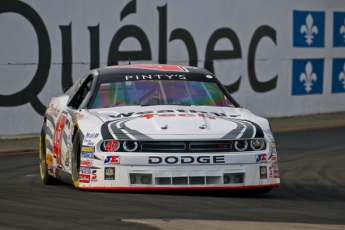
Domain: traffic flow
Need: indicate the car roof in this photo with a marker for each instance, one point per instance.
(151, 69)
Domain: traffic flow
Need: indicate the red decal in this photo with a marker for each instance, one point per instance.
(154, 67)
(85, 163)
(111, 159)
(52, 110)
(263, 157)
(94, 176)
(186, 115)
(84, 178)
(166, 115)
(58, 138)
(148, 116)
(111, 146)
(276, 173)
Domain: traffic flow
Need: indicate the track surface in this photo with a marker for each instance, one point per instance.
(313, 192)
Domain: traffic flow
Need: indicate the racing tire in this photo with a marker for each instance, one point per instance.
(45, 177)
(76, 158)
(255, 191)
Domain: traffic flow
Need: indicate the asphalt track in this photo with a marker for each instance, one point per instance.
(312, 196)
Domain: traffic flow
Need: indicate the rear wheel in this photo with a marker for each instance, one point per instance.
(45, 177)
(76, 159)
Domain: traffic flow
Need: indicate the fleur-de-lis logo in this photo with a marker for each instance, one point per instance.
(342, 76)
(308, 77)
(309, 29)
(342, 30)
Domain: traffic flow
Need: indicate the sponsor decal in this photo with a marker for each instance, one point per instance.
(307, 76)
(91, 135)
(88, 142)
(85, 170)
(263, 172)
(94, 175)
(49, 159)
(172, 113)
(52, 111)
(112, 160)
(84, 178)
(156, 77)
(51, 170)
(275, 165)
(58, 139)
(269, 135)
(78, 116)
(149, 116)
(109, 173)
(308, 29)
(156, 67)
(338, 76)
(270, 171)
(339, 29)
(186, 160)
(86, 163)
(273, 145)
(86, 155)
(274, 151)
(261, 158)
(88, 149)
(274, 158)
(276, 173)
(67, 159)
(111, 146)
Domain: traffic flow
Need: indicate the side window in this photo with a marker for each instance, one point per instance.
(81, 88)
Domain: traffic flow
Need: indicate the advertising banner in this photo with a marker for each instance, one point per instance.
(277, 58)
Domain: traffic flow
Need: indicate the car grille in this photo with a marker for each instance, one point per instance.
(185, 146)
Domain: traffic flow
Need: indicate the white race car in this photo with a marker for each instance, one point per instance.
(155, 127)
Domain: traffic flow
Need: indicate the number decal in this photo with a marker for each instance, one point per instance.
(58, 138)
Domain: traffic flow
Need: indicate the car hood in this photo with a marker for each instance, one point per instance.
(177, 122)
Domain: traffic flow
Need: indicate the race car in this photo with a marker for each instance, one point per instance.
(155, 127)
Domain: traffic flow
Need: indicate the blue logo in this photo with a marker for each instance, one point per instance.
(307, 76)
(338, 76)
(339, 29)
(308, 29)
(86, 155)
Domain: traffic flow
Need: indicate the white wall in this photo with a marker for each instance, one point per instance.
(281, 50)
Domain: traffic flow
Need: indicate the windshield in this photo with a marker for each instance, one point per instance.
(159, 92)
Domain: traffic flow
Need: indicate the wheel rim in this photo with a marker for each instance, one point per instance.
(76, 164)
(42, 157)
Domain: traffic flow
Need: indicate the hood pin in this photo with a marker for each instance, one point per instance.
(203, 127)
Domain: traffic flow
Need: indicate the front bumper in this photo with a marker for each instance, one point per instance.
(132, 172)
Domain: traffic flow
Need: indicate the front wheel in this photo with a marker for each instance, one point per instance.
(76, 159)
(255, 191)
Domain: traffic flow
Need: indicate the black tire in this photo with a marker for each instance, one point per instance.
(76, 158)
(45, 177)
(254, 191)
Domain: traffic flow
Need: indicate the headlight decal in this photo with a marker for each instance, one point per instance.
(237, 145)
(111, 146)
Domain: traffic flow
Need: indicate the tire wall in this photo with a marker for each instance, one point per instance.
(278, 58)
